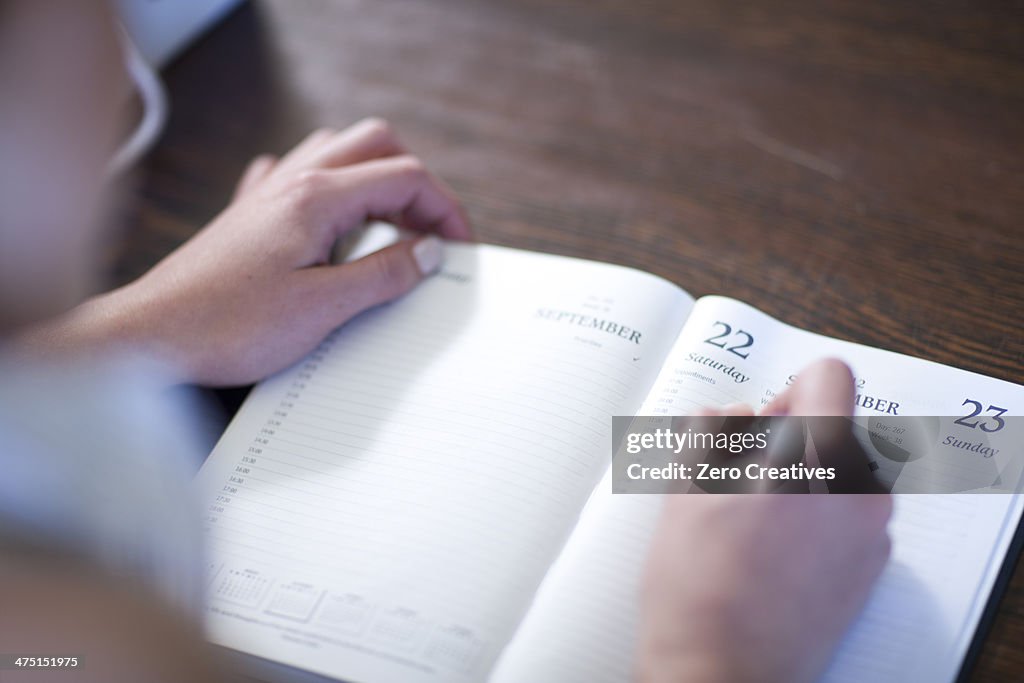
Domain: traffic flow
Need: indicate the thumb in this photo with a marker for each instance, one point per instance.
(825, 387)
(383, 275)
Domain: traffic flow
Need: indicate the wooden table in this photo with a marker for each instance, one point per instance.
(851, 167)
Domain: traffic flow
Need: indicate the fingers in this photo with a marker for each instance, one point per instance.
(295, 159)
(258, 169)
(371, 138)
(824, 387)
(738, 410)
(359, 173)
(382, 276)
(731, 410)
(383, 189)
(368, 139)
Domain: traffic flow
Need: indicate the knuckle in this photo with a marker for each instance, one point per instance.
(259, 165)
(384, 272)
(377, 126)
(323, 132)
(836, 367)
(411, 166)
(303, 189)
(390, 274)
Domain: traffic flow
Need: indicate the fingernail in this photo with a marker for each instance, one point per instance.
(737, 409)
(428, 253)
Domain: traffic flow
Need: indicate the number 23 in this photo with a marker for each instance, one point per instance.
(979, 423)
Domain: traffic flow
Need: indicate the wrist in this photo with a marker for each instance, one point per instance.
(106, 324)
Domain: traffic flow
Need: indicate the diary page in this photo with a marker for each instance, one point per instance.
(947, 549)
(385, 510)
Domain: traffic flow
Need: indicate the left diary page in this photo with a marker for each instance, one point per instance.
(386, 509)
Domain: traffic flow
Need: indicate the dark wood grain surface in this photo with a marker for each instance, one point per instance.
(851, 167)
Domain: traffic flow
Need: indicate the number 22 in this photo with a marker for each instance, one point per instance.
(735, 349)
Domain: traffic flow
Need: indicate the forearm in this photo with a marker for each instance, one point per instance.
(94, 329)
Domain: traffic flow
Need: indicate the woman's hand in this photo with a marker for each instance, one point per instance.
(761, 587)
(253, 291)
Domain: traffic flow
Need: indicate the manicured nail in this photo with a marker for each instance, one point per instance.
(428, 253)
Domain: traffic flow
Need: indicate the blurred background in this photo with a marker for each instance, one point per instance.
(853, 167)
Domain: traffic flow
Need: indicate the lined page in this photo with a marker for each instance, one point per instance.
(386, 509)
(582, 625)
(947, 549)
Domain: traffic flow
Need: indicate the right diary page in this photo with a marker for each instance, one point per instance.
(947, 549)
